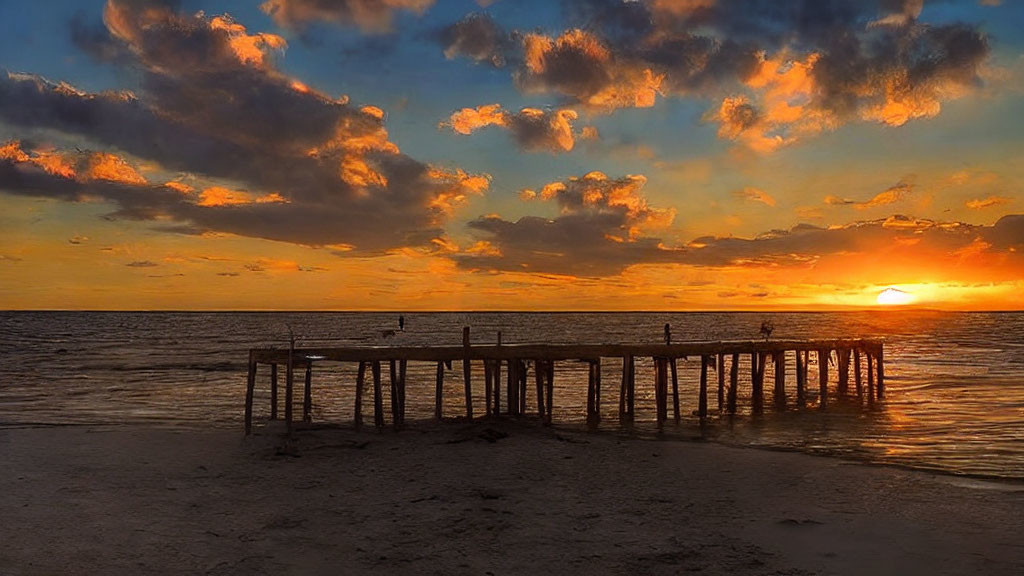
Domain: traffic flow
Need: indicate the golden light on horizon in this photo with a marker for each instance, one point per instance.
(894, 297)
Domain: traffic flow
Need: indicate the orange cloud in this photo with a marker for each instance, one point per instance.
(756, 195)
(216, 196)
(578, 64)
(533, 128)
(105, 166)
(979, 203)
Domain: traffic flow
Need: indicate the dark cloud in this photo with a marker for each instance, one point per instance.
(142, 264)
(373, 16)
(479, 38)
(534, 129)
(308, 168)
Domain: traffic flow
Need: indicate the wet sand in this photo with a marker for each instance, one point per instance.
(489, 498)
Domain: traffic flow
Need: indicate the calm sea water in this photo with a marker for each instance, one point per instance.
(954, 403)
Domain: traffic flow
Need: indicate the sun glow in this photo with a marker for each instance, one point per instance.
(894, 297)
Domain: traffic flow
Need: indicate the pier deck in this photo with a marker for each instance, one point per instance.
(513, 359)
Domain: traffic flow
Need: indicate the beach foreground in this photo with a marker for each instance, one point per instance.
(489, 498)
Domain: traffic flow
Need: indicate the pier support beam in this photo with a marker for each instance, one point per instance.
(871, 379)
(734, 372)
(843, 364)
(273, 391)
(289, 384)
(627, 392)
(675, 389)
(801, 378)
(721, 381)
(307, 394)
(378, 399)
(467, 373)
(360, 385)
(439, 392)
(594, 391)
(757, 363)
(250, 387)
(881, 373)
(823, 356)
(702, 394)
(857, 373)
(779, 391)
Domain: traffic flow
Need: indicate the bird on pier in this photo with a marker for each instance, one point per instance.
(766, 329)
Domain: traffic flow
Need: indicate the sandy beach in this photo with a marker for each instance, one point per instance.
(496, 497)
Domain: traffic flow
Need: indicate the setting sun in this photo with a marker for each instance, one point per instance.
(894, 297)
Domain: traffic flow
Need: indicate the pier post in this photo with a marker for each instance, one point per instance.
(881, 373)
(597, 388)
(823, 356)
(539, 369)
(721, 381)
(289, 383)
(702, 395)
(843, 364)
(734, 372)
(661, 389)
(622, 388)
(378, 400)
(675, 388)
(512, 387)
(779, 392)
(523, 373)
(591, 393)
(250, 387)
(801, 377)
(496, 381)
(360, 383)
(307, 394)
(757, 364)
(273, 391)
(549, 397)
(439, 391)
(871, 379)
(402, 367)
(467, 372)
(488, 368)
(393, 373)
(857, 373)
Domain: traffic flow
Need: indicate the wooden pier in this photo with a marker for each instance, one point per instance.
(515, 360)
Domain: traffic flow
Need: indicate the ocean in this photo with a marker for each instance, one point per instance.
(954, 380)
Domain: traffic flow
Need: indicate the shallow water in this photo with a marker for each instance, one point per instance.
(954, 396)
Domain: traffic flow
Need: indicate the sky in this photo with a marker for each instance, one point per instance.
(511, 155)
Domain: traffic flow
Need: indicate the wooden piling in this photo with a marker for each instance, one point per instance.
(289, 384)
(393, 373)
(721, 381)
(488, 368)
(823, 356)
(734, 371)
(597, 388)
(250, 387)
(801, 378)
(439, 392)
(360, 382)
(402, 368)
(523, 374)
(591, 393)
(661, 389)
(512, 387)
(779, 392)
(378, 400)
(549, 397)
(467, 372)
(273, 391)
(843, 365)
(881, 373)
(496, 381)
(622, 388)
(857, 372)
(871, 379)
(702, 395)
(757, 361)
(675, 389)
(307, 395)
(539, 370)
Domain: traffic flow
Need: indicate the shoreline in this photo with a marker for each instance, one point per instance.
(504, 497)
